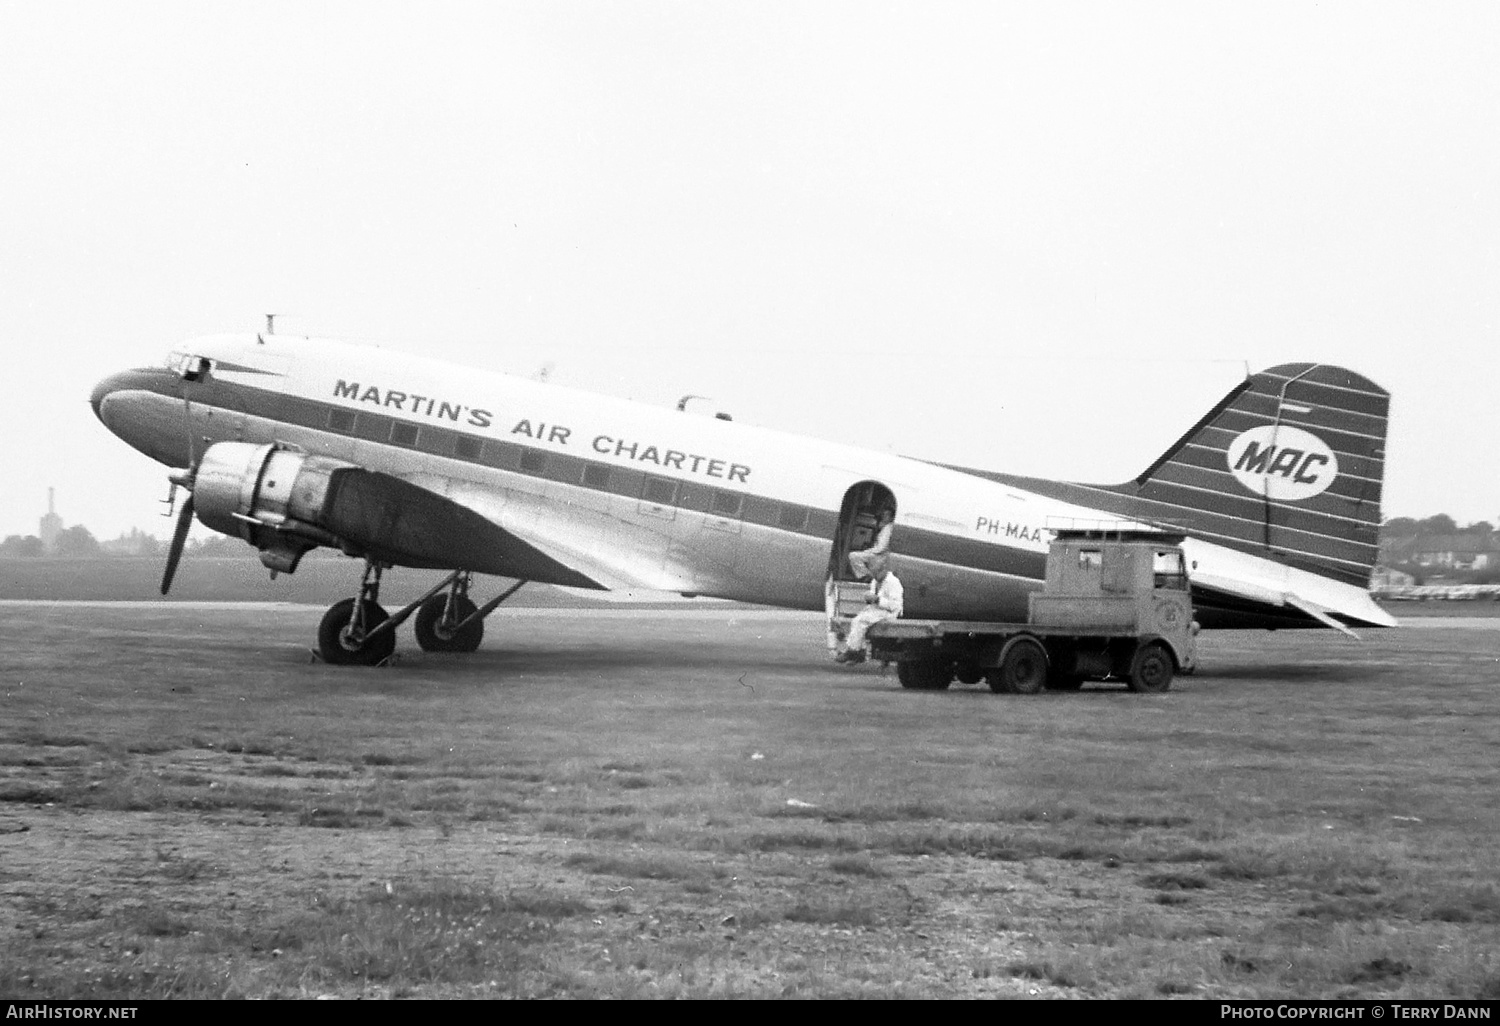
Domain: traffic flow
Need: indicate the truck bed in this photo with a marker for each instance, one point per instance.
(903, 630)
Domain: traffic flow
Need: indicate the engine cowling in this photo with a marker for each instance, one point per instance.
(271, 496)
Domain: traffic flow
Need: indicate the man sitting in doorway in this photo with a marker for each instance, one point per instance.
(860, 562)
(884, 602)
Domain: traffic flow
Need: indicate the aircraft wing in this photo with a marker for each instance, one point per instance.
(591, 546)
(421, 523)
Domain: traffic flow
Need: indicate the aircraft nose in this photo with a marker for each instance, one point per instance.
(139, 406)
(101, 392)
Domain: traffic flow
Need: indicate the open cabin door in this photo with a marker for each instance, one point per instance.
(858, 525)
(859, 519)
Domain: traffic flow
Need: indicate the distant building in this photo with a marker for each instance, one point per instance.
(1456, 551)
(51, 525)
(1385, 577)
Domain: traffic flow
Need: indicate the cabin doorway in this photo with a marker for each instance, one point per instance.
(859, 523)
(859, 520)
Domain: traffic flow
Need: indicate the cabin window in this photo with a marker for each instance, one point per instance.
(660, 490)
(596, 475)
(727, 504)
(373, 427)
(564, 468)
(533, 461)
(1090, 559)
(694, 496)
(403, 433)
(466, 448)
(341, 420)
(792, 518)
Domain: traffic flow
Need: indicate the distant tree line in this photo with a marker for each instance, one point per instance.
(78, 542)
(1440, 523)
(71, 541)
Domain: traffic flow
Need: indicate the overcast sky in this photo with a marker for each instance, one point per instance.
(1031, 237)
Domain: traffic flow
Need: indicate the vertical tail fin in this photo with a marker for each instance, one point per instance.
(1291, 460)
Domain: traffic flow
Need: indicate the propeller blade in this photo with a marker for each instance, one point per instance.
(179, 538)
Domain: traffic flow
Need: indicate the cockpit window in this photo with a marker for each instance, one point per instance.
(188, 367)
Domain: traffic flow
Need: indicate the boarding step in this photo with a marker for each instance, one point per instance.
(849, 598)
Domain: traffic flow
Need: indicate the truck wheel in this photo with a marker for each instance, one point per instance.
(923, 674)
(968, 673)
(1022, 669)
(1151, 669)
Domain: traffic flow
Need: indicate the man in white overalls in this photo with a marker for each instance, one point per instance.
(883, 602)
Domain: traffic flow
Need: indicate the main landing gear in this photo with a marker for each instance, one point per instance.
(359, 632)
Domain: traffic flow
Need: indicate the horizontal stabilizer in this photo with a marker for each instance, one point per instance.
(1271, 597)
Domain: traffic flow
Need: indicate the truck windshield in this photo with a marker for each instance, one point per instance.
(1168, 570)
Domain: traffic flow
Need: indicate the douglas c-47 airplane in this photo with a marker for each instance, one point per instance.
(291, 443)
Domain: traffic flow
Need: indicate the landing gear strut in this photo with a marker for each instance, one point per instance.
(446, 623)
(350, 634)
(358, 632)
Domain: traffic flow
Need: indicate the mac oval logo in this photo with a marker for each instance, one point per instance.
(1283, 463)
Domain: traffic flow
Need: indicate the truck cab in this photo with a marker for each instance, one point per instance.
(1115, 583)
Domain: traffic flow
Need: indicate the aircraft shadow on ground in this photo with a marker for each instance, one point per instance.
(552, 663)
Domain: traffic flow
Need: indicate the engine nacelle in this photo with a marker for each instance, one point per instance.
(271, 496)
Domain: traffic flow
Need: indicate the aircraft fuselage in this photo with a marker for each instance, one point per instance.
(627, 495)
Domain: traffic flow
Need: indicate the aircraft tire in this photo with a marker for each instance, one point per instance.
(434, 638)
(923, 674)
(337, 649)
(1151, 669)
(1022, 669)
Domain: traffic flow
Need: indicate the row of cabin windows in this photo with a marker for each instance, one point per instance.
(663, 491)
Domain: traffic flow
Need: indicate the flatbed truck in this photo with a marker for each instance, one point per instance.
(1115, 605)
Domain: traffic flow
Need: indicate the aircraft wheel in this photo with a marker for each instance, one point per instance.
(1022, 669)
(339, 647)
(433, 636)
(1151, 669)
(923, 675)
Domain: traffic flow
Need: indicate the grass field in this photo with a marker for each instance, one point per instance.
(616, 803)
